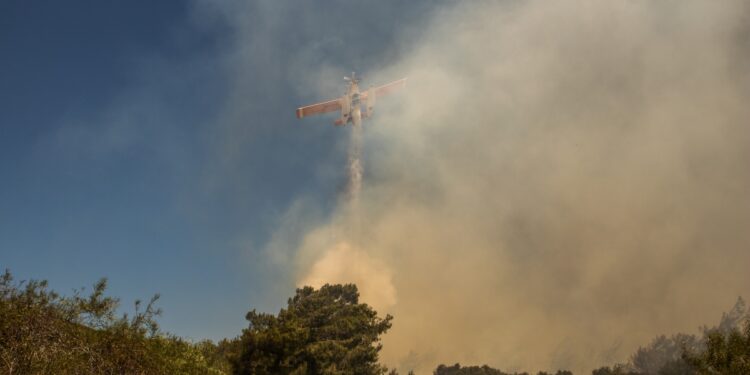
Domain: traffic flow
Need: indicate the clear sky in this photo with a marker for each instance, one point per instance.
(155, 143)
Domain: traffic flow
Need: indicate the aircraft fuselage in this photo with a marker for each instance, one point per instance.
(350, 104)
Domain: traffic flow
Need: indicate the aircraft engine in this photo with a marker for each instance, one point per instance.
(346, 109)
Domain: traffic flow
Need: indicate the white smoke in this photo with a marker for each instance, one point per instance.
(562, 182)
(343, 260)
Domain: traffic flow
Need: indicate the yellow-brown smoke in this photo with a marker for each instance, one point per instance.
(560, 182)
(344, 263)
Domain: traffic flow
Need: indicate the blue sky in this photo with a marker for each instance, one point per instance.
(155, 144)
(583, 158)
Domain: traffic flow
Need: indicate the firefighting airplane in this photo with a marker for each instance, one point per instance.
(350, 104)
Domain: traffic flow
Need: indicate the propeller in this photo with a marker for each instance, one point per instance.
(353, 78)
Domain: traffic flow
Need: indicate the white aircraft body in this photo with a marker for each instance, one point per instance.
(350, 105)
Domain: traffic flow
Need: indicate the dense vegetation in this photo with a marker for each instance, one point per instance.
(723, 349)
(42, 332)
(483, 370)
(325, 331)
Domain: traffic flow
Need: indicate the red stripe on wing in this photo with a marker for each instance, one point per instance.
(314, 109)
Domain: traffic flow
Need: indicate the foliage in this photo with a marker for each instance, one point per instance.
(42, 332)
(456, 369)
(324, 331)
(217, 355)
(664, 355)
(669, 355)
(732, 320)
(615, 370)
(483, 370)
(727, 352)
(395, 372)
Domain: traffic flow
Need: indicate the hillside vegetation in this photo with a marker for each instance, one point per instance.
(324, 331)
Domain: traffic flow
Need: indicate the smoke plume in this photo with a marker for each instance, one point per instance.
(354, 186)
(560, 182)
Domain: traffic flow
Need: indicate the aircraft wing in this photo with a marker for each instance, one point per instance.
(314, 109)
(386, 89)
